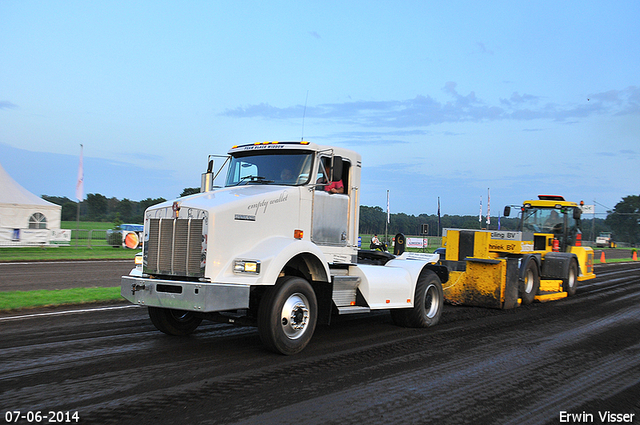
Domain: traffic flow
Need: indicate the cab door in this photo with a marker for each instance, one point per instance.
(330, 221)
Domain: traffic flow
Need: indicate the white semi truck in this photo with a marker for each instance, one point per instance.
(278, 249)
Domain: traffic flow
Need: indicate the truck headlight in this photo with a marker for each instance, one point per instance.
(246, 266)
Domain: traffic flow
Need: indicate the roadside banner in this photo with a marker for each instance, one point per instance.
(588, 209)
(417, 242)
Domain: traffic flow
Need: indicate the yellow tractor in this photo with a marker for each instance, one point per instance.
(544, 260)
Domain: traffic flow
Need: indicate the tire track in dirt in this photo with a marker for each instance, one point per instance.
(476, 380)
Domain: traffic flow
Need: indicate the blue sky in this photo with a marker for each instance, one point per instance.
(442, 99)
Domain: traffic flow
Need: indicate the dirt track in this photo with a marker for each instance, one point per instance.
(525, 366)
(29, 276)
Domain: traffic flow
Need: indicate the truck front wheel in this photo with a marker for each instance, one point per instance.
(530, 283)
(287, 315)
(427, 304)
(173, 322)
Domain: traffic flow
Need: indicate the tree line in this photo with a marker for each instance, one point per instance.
(623, 220)
(97, 207)
(373, 220)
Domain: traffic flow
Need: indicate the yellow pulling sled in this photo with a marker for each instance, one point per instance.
(542, 261)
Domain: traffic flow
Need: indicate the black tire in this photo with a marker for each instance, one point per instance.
(287, 315)
(174, 322)
(570, 283)
(427, 306)
(530, 283)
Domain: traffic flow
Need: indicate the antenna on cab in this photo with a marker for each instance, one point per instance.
(304, 112)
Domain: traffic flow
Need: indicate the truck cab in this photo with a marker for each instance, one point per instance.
(553, 224)
(276, 247)
(551, 220)
(605, 240)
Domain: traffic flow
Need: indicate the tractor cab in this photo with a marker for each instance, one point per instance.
(551, 222)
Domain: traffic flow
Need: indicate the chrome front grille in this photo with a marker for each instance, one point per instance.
(174, 247)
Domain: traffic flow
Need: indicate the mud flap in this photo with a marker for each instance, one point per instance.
(556, 265)
(323, 292)
(511, 285)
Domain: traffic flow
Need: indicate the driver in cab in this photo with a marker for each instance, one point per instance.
(333, 186)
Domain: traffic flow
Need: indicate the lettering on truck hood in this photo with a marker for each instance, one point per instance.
(261, 206)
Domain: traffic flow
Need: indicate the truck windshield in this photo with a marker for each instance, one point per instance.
(546, 220)
(290, 168)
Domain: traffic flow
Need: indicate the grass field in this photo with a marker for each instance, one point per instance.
(80, 247)
(17, 300)
(86, 225)
(66, 253)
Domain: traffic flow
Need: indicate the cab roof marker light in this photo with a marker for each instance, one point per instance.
(275, 142)
(551, 198)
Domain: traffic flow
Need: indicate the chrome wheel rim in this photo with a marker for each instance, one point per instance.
(572, 278)
(294, 317)
(431, 301)
(528, 282)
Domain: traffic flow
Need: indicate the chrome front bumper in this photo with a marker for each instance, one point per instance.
(180, 295)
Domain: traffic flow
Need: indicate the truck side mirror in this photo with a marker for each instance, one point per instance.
(576, 213)
(206, 181)
(507, 211)
(336, 170)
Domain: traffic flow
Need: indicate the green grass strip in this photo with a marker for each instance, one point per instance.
(13, 300)
(614, 260)
(53, 253)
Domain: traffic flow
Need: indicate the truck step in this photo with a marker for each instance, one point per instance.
(353, 309)
(551, 297)
(345, 290)
(550, 285)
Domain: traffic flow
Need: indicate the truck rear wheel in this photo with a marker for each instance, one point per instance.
(570, 283)
(287, 315)
(530, 284)
(174, 322)
(428, 303)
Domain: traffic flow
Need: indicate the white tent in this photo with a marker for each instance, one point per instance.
(26, 219)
